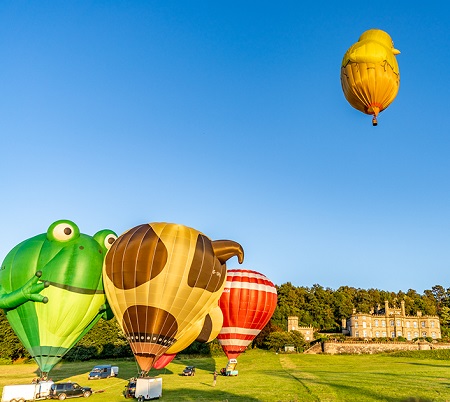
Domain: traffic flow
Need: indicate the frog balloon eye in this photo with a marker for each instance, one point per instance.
(105, 238)
(63, 230)
(109, 240)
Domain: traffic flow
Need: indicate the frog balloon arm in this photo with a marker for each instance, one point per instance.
(29, 291)
(105, 311)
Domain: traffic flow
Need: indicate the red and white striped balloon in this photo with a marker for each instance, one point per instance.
(247, 302)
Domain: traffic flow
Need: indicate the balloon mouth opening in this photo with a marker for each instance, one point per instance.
(374, 109)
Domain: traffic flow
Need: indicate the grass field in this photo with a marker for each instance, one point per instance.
(265, 376)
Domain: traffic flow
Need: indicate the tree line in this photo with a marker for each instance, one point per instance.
(324, 308)
(316, 306)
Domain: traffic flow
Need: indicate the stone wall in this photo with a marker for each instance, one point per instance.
(355, 347)
(314, 349)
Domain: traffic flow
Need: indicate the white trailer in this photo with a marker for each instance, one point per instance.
(148, 388)
(26, 392)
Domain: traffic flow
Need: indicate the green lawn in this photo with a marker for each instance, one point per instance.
(265, 376)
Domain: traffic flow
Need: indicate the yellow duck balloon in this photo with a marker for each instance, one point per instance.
(370, 76)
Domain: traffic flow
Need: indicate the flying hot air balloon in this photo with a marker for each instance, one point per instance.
(162, 278)
(247, 302)
(51, 289)
(370, 76)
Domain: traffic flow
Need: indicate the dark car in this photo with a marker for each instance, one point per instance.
(130, 388)
(65, 390)
(189, 370)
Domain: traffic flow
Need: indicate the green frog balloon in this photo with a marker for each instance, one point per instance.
(51, 289)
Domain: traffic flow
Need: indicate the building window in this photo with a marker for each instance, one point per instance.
(391, 323)
(392, 334)
(423, 324)
(399, 333)
(432, 324)
(357, 333)
(376, 323)
(407, 324)
(384, 334)
(364, 324)
(433, 335)
(416, 334)
(398, 323)
(424, 333)
(363, 317)
(377, 334)
(409, 336)
(415, 324)
(356, 325)
(383, 323)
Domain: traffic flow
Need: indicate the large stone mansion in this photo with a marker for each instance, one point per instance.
(391, 323)
(382, 323)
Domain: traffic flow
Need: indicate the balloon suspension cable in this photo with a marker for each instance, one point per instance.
(143, 374)
(374, 121)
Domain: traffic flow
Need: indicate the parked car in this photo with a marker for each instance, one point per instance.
(65, 390)
(130, 388)
(189, 370)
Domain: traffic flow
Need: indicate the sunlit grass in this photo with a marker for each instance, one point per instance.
(266, 376)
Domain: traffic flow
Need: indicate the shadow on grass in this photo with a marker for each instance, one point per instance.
(207, 364)
(128, 368)
(212, 395)
(445, 366)
(356, 392)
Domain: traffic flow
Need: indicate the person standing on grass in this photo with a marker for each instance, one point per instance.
(214, 378)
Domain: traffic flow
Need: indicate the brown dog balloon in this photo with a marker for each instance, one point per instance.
(162, 278)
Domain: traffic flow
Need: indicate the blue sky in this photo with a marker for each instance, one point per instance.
(229, 117)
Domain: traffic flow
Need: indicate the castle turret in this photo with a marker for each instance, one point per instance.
(292, 323)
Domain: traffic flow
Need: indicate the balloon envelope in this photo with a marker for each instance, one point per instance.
(161, 279)
(370, 76)
(203, 331)
(50, 319)
(247, 302)
(211, 326)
